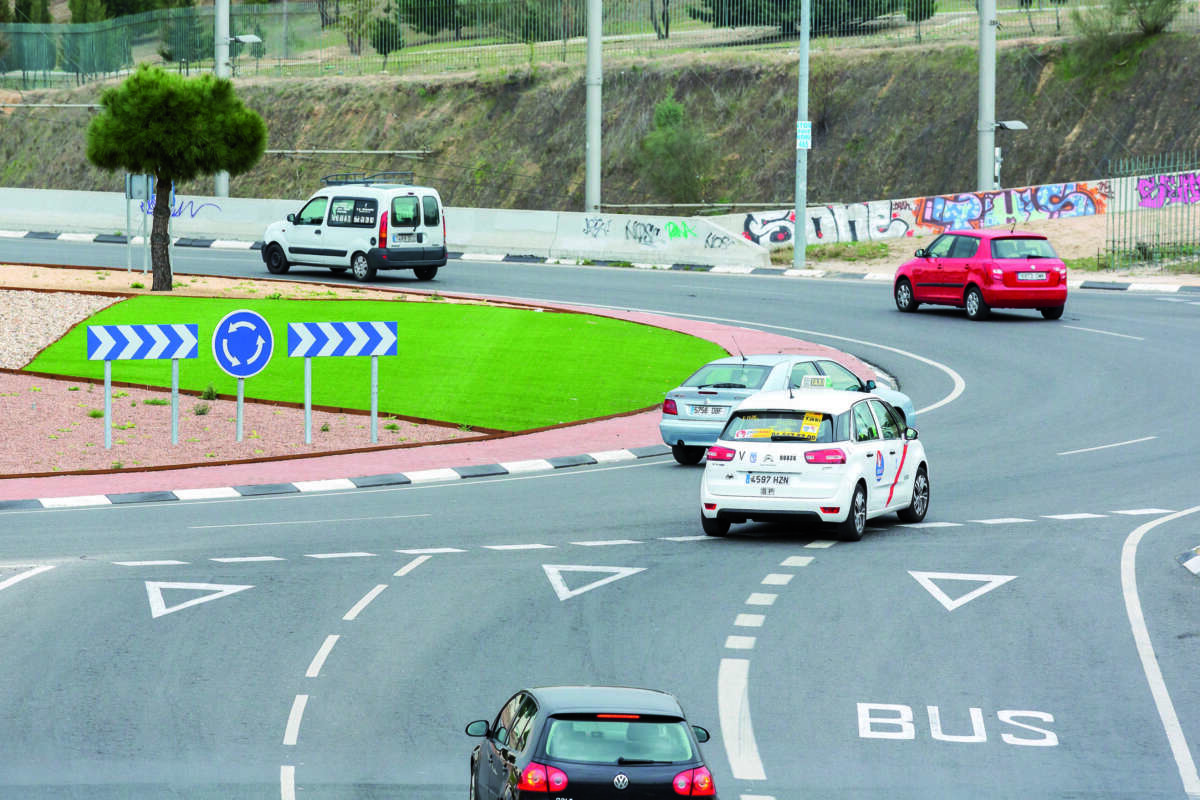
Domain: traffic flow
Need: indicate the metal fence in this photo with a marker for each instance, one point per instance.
(1154, 219)
(360, 37)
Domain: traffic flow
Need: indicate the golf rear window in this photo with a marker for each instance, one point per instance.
(612, 741)
(784, 426)
(729, 376)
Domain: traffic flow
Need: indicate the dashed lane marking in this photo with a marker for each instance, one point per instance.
(314, 667)
(339, 555)
(1144, 512)
(292, 731)
(1000, 520)
(1083, 515)
(246, 559)
(796, 561)
(162, 563)
(761, 599)
(410, 566)
(733, 704)
(778, 579)
(305, 522)
(739, 643)
(518, 547)
(358, 607)
(431, 551)
(749, 620)
(606, 542)
(932, 525)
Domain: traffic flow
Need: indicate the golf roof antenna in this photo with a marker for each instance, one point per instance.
(738, 348)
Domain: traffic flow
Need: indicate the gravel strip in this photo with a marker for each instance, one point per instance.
(30, 321)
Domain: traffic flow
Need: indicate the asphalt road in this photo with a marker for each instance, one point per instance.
(1034, 638)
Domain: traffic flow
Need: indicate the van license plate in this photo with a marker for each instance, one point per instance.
(774, 480)
(404, 237)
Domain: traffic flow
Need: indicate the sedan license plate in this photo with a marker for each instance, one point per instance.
(404, 237)
(1031, 276)
(766, 478)
(709, 411)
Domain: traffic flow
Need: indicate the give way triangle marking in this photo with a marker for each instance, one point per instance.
(555, 573)
(987, 583)
(216, 591)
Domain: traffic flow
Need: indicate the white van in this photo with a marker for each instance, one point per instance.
(363, 223)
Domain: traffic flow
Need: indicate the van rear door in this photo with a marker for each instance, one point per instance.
(433, 245)
(405, 231)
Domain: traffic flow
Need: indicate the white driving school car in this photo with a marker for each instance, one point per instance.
(814, 455)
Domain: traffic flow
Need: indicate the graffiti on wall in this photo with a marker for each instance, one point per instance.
(181, 207)
(850, 222)
(646, 234)
(1156, 191)
(1008, 206)
(596, 227)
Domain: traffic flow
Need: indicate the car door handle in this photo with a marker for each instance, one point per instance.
(317, 231)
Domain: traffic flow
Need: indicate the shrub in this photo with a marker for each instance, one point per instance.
(675, 156)
(209, 394)
(200, 409)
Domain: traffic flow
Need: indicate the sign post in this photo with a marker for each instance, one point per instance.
(314, 339)
(242, 344)
(110, 343)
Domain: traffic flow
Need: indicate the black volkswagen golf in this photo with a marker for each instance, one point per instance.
(585, 742)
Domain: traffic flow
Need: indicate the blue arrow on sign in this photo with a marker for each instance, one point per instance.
(242, 343)
(314, 339)
(141, 342)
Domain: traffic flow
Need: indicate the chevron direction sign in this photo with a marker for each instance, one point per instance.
(138, 342)
(315, 339)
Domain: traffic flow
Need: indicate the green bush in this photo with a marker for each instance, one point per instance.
(676, 155)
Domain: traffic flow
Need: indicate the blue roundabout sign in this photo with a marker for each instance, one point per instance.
(242, 343)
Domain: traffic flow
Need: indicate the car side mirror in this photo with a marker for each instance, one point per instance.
(921, 252)
(910, 434)
(871, 386)
(701, 734)
(478, 728)
(291, 217)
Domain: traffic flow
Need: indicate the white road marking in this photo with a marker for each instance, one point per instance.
(410, 566)
(29, 573)
(294, 718)
(219, 493)
(737, 731)
(1000, 520)
(1143, 512)
(777, 579)
(1192, 565)
(1106, 333)
(353, 613)
(532, 465)
(431, 551)
(796, 561)
(75, 502)
(333, 484)
(757, 797)
(246, 559)
(314, 669)
(287, 782)
(821, 544)
(554, 573)
(610, 456)
(216, 591)
(686, 538)
(739, 642)
(761, 599)
(1083, 515)
(1141, 638)
(749, 620)
(164, 563)
(1106, 446)
(518, 547)
(430, 475)
(339, 555)
(988, 582)
(305, 522)
(606, 542)
(932, 525)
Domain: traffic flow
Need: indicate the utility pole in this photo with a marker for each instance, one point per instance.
(803, 141)
(985, 175)
(594, 82)
(221, 70)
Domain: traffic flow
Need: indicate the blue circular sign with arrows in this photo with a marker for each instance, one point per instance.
(242, 343)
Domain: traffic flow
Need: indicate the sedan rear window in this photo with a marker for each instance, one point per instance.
(729, 376)
(786, 426)
(1022, 248)
(611, 741)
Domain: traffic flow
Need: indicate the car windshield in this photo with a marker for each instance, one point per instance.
(729, 376)
(1022, 247)
(610, 741)
(786, 426)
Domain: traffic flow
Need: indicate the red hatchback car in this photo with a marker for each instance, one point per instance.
(984, 269)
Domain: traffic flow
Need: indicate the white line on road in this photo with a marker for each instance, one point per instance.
(1106, 333)
(246, 559)
(761, 599)
(687, 538)
(340, 555)
(733, 709)
(293, 724)
(518, 547)
(796, 561)
(749, 620)
(165, 563)
(606, 542)
(1141, 638)
(1106, 446)
(739, 642)
(314, 669)
(287, 782)
(1083, 515)
(1143, 512)
(361, 604)
(821, 544)
(432, 551)
(29, 574)
(304, 522)
(410, 566)
(1000, 520)
(778, 579)
(932, 525)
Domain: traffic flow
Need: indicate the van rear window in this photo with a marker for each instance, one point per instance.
(405, 212)
(352, 212)
(786, 426)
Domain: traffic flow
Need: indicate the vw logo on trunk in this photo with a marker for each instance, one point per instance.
(621, 780)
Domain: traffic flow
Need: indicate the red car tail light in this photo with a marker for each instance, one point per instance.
(383, 228)
(718, 453)
(541, 778)
(669, 407)
(830, 455)
(696, 782)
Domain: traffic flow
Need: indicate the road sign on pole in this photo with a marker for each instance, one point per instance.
(110, 343)
(310, 340)
(242, 345)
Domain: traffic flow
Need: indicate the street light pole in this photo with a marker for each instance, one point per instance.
(594, 82)
(986, 169)
(221, 70)
(803, 142)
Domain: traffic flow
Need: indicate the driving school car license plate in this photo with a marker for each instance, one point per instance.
(1031, 276)
(710, 411)
(760, 477)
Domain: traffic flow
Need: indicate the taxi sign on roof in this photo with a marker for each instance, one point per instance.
(814, 382)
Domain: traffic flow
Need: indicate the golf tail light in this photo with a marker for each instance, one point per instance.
(541, 778)
(829, 455)
(669, 407)
(718, 453)
(696, 782)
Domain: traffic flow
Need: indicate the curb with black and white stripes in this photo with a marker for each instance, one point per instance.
(371, 481)
(513, 258)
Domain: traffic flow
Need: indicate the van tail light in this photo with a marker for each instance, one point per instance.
(718, 453)
(669, 407)
(541, 778)
(696, 782)
(383, 228)
(830, 455)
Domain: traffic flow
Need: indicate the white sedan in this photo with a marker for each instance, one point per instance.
(814, 455)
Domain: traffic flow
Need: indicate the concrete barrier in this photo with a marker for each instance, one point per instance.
(545, 234)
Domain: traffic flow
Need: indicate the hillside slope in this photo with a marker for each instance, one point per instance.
(887, 124)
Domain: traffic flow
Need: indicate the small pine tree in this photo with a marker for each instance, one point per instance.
(386, 34)
(675, 155)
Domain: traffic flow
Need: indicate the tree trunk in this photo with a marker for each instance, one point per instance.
(160, 255)
(654, 20)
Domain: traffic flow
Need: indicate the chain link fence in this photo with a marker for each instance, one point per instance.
(361, 37)
(1154, 220)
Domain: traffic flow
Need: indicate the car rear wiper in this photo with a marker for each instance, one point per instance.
(624, 760)
(721, 386)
